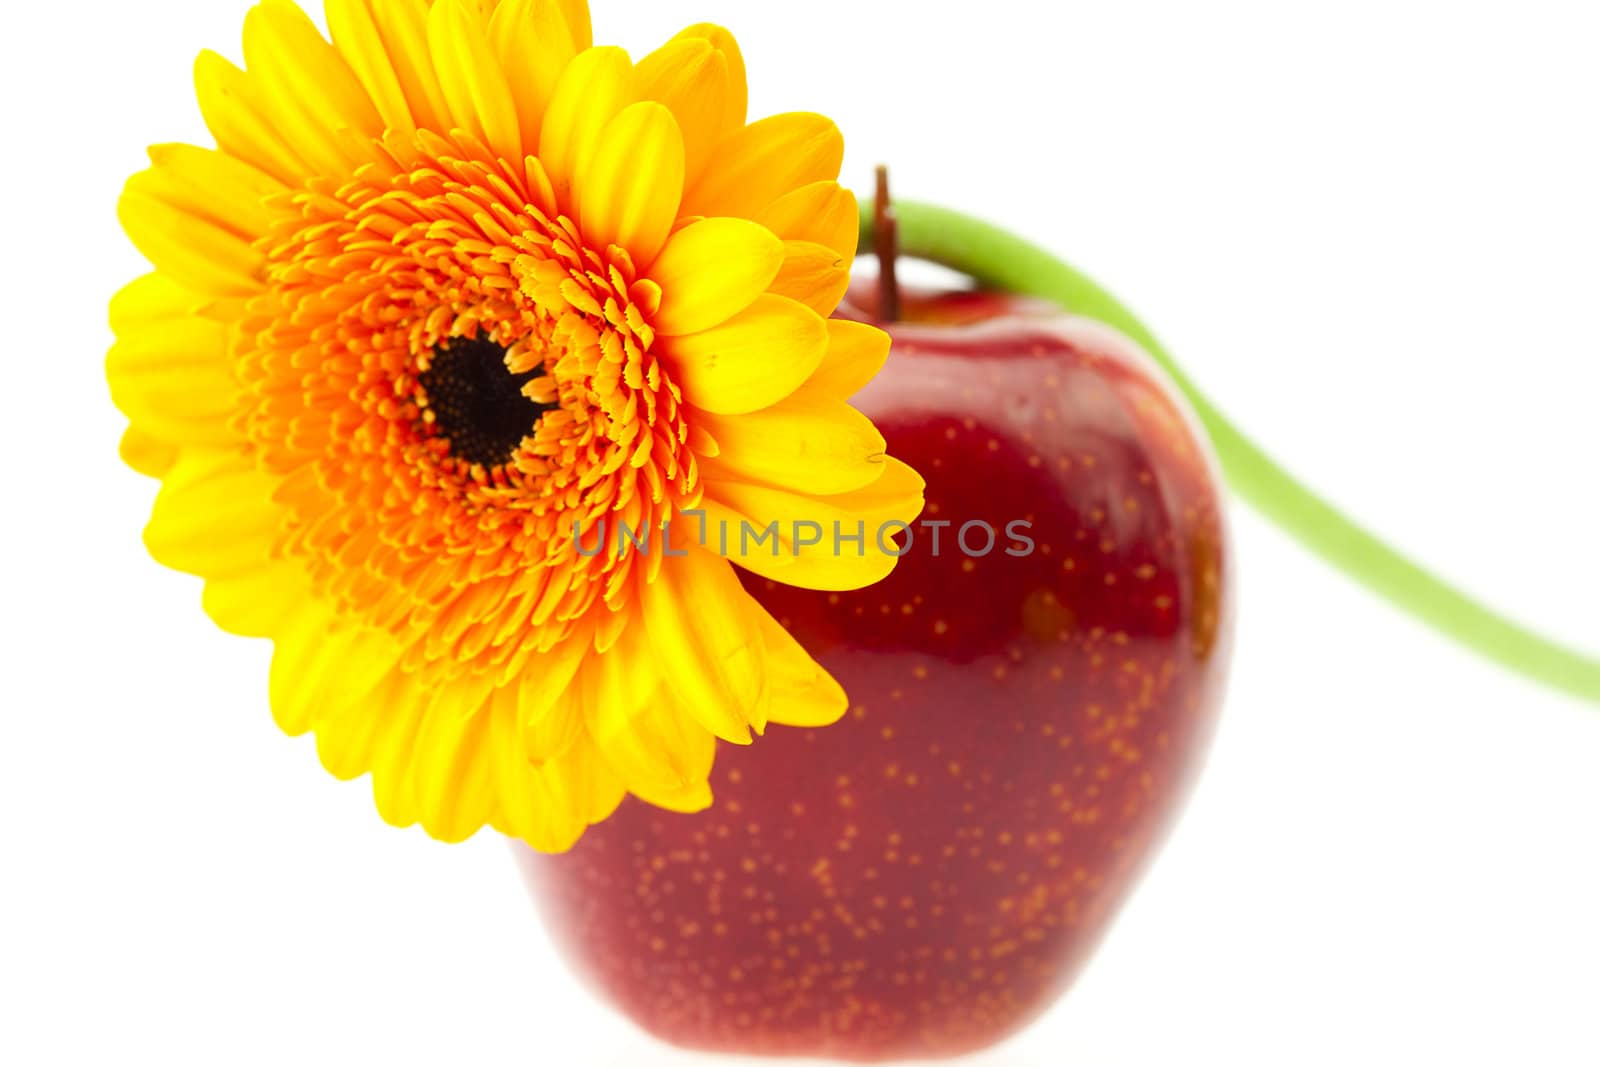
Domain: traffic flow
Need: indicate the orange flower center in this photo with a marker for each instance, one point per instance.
(458, 390)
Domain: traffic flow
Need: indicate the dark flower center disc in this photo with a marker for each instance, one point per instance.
(477, 403)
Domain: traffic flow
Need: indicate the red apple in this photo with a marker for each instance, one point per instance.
(927, 876)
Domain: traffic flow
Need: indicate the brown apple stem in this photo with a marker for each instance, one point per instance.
(886, 230)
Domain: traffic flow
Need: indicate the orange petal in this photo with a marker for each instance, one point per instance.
(813, 274)
(824, 213)
(691, 77)
(765, 161)
(856, 353)
(535, 40)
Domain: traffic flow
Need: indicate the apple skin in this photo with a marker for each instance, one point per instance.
(927, 876)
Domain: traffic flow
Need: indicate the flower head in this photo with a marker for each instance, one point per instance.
(457, 295)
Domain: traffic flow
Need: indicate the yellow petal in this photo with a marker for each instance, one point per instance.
(355, 31)
(214, 515)
(475, 89)
(618, 684)
(168, 369)
(813, 274)
(592, 90)
(628, 192)
(686, 799)
(856, 353)
(809, 444)
(309, 94)
(817, 546)
(197, 253)
(710, 271)
(823, 213)
(526, 806)
(738, 99)
(765, 161)
(575, 14)
(403, 27)
(172, 380)
(150, 456)
(659, 751)
(662, 755)
(452, 772)
(152, 300)
(210, 185)
(393, 748)
(347, 734)
(584, 783)
(691, 77)
(803, 694)
(318, 663)
(237, 114)
(535, 40)
(156, 300)
(698, 618)
(546, 676)
(256, 603)
(551, 734)
(753, 360)
(301, 653)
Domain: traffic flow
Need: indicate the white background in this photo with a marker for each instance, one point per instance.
(1372, 230)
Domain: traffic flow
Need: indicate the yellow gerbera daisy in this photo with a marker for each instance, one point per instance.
(451, 293)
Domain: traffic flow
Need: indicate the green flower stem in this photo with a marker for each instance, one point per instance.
(1000, 260)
